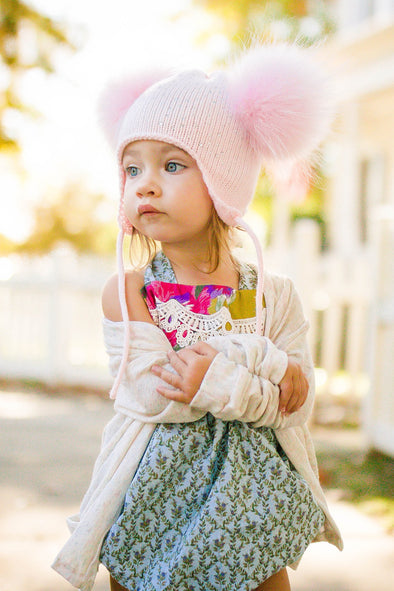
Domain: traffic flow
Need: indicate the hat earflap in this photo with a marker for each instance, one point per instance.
(119, 96)
(280, 95)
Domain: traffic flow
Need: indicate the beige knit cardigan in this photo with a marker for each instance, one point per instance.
(241, 384)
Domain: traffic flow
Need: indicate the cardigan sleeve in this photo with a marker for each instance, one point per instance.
(242, 382)
(137, 396)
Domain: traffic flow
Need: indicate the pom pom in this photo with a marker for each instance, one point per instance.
(280, 95)
(119, 96)
(291, 179)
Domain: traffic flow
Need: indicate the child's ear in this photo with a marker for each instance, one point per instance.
(281, 96)
(119, 96)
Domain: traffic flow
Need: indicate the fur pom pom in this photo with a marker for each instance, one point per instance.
(291, 179)
(119, 96)
(280, 95)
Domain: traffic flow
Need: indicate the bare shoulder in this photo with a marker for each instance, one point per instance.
(135, 303)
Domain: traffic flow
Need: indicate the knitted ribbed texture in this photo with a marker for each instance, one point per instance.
(192, 111)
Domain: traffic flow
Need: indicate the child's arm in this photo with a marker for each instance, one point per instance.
(235, 388)
(138, 397)
(287, 336)
(252, 379)
(136, 306)
(192, 363)
(221, 391)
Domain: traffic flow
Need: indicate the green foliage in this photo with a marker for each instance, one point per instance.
(364, 479)
(21, 52)
(73, 219)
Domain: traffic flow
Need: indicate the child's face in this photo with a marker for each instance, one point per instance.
(165, 196)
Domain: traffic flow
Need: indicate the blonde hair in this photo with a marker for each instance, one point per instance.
(142, 249)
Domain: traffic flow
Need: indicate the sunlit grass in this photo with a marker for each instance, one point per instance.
(365, 479)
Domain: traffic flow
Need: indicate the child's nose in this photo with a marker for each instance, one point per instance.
(148, 186)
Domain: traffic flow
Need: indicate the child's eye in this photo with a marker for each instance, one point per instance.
(132, 170)
(174, 167)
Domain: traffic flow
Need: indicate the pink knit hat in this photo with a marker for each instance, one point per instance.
(272, 106)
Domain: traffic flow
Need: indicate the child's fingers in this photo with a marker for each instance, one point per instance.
(187, 355)
(171, 394)
(176, 361)
(303, 392)
(293, 401)
(203, 348)
(294, 404)
(169, 377)
(286, 390)
(299, 395)
(305, 389)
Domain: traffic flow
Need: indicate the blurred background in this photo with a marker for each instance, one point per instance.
(58, 207)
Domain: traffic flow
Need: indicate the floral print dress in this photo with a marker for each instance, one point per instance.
(214, 505)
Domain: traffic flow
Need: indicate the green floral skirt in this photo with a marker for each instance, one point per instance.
(214, 505)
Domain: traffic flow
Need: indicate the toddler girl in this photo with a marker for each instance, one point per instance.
(207, 477)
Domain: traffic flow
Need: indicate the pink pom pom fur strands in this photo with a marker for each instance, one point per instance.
(280, 95)
(119, 96)
(271, 107)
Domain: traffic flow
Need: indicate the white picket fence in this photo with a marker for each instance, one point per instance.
(50, 322)
(50, 319)
(336, 297)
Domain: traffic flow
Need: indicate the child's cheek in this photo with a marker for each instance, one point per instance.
(129, 206)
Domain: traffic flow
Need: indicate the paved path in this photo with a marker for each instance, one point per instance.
(47, 446)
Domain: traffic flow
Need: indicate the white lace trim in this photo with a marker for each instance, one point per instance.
(192, 327)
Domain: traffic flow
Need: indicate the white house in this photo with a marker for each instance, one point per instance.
(361, 212)
(349, 290)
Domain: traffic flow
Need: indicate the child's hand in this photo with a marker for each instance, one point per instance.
(293, 389)
(191, 365)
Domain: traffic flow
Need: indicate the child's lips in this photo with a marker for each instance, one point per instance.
(147, 209)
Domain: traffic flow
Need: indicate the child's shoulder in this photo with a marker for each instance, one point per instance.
(280, 285)
(282, 296)
(134, 282)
